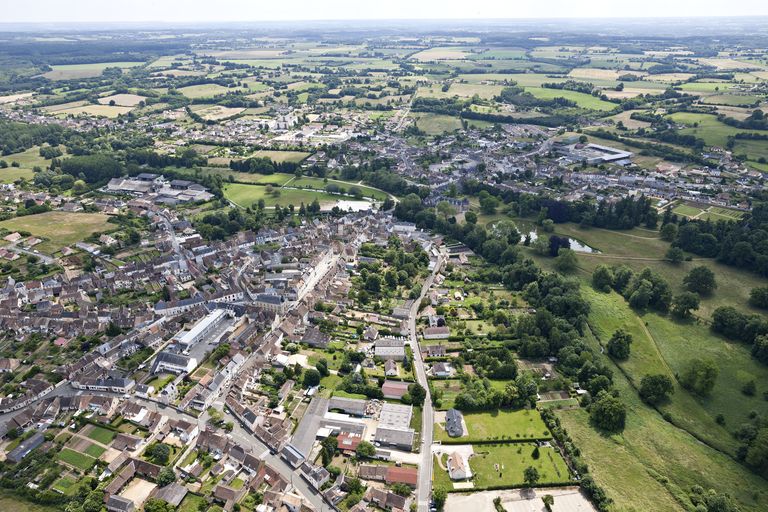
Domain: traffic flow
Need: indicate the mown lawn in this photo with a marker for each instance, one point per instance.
(512, 459)
(102, 435)
(248, 195)
(78, 460)
(501, 424)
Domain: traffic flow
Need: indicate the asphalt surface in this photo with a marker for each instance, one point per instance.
(424, 489)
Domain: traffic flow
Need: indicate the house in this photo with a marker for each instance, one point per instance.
(458, 468)
(436, 350)
(347, 442)
(117, 503)
(173, 494)
(437, 333)
(8, 365)
(454, 423)
(402, 475)
(394, 389)
(314, 337)
(442, 370)
(390, 368)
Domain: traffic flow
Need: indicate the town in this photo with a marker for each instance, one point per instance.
(389, 267)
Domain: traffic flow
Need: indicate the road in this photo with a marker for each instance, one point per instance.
(424, 489)
(20, 250)
(181, 258)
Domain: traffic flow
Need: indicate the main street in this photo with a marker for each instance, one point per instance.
(424, 489)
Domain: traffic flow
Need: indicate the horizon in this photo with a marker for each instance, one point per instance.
(243, 11)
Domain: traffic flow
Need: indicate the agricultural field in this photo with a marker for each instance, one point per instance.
(582, 100)
(437, 124)
(73, 71)
(59, 228)
(709, 128)
(123, 100)
(203, 91)
(281, 156)
(80, 461)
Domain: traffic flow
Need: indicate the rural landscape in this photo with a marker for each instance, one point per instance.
(493, 265)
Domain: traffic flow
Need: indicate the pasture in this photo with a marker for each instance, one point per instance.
(436, 124)
(582, 100)
(709, 128)
(122, 100)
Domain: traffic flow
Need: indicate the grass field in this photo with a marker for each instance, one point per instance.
(65, 486)
(655, 458)
(94, 451)
(501, 424)
(123, 100)
(437, 124)
(244, 177)
(712, 131)
(102, 435)
(191, 503)
(10, 503)
(247, 195)
(581, 99)
(72, 71)
(203, 91)
(514, 458)
(109, 111)
(60, 228)
(78, 460)
(319, 184)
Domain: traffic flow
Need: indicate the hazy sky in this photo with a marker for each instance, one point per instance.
(268, 10)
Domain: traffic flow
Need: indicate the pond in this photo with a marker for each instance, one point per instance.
(576, 245)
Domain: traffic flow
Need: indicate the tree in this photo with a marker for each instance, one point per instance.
(530, 476)
(165, 476)
(160, 453)
(675, 255)
(608, 413)
(365, 449)
(758, 297)
(322, 367)
(700, 375)
(668, 232)
(328, 448)
(401, 489)
(418, 394)
(700, 280)
(438, 497)
(760, 349)
(602, 278)
(683, 304)
(565, 261)
(79, 186)
(618, 345)
(311, 378)
(655, 389)
(548, 501)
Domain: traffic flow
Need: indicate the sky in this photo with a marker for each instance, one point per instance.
(190, 11)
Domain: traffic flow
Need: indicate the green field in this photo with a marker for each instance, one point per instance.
(709, 128)
(655, 458)
(581, 99)
(247, 195)
(498, 425)
(65, 486)
(320, 184)
(281, 156)
(73, 71)
(9, 503)
(502, 465)
(78, 460)
(687, 211)
(437, 124)
(192, 503)
(102, 435)
(94, 451)
(60, 228)
(204, 90)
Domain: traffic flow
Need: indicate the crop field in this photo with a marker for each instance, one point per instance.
(216, 112)
(73, 71)
(499, 425)
(733, 100)
(79, 460)
(440, 54)
(281, 156)
(277, 179)
(581, 99)
(123, 100)
(60, 228)
(461, 90)
(109, 111)
(503, 464)
(203, 91)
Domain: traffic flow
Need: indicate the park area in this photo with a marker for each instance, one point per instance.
(507, 425)
(60, 229)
